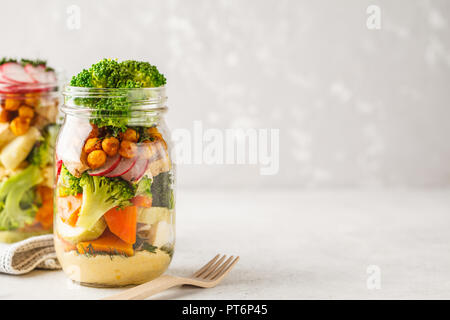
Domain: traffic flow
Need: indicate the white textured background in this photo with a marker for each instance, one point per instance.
(355, 107)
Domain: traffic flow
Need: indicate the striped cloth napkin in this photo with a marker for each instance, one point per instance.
(29, 254)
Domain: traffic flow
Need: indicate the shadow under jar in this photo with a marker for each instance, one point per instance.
(115, 202)
(27, 136)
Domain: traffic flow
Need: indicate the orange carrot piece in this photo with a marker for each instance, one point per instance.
(72, 220)
(108, 243)
(122, 222)
(44, 215)
(142, 201)
(45, 193)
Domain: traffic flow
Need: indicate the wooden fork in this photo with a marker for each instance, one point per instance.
(208, 276)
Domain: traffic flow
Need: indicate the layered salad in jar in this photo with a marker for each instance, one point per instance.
(29, 108)
(114, 220)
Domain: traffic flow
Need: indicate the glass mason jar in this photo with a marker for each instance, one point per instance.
(115, 210)
(27, 137)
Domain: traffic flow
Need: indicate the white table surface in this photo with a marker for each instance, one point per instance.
(296, 245)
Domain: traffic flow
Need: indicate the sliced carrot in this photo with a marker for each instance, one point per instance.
(108, 243)
(45, 193)
(142, 201)
(72, 220)
(44, 215)
(69, 207)
(122, 222)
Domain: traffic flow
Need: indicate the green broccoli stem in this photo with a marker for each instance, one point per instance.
(12, 191)
(101, 194)
(93, 207)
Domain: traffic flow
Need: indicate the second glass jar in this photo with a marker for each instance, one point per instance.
(28, 130)
(115, 202)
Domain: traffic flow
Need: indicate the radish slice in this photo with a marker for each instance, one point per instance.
(15, 73)
(143, 171)
(7, 89)
(51, 76)
(137, 171)
(36, 73)
(16, 89)
(124, 166)
(2, 79)
(110, 164)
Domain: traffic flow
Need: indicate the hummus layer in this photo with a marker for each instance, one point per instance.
(112, 270)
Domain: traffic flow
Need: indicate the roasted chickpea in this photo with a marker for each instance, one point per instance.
(20, 126)
(12, 104)
(152, 130)
(32, 99)
(130, 135)
(96, 159)
(128, 149)
(110, 146)
(157, 137)
(5, 115)
(26, 112)
(92, 144)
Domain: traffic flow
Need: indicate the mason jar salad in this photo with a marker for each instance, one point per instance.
(29, 108)
(115, 204)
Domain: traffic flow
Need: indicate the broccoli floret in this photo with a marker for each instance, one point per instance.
(43, 152)
(104, 74)
(101, 194)
(114, 111)
(109, 73)
(143, 74)
(68, 184)
(83, 79)
(162, 192)
(17, 206)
